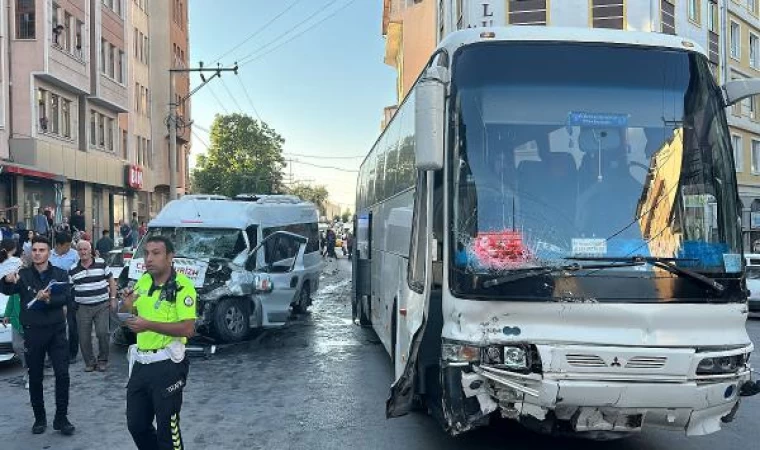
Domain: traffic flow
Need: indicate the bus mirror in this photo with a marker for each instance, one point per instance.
(429, 121)
(737, 90)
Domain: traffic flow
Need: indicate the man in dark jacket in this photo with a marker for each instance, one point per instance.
(77, 222)
(44, 325)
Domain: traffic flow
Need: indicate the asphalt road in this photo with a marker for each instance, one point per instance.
(319, 383)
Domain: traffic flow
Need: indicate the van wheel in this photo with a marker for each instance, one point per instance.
(304, 299)
(364, 313)
(231, 320)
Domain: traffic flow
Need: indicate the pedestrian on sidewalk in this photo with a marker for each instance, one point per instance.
(13, 309)
(64, 257)
(104, 244)
(77, 221)
(126, 234)
(40, 225)
(44, 325)
(95, 295)
(164, 302)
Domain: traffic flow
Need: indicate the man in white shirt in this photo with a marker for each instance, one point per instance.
(64, 257)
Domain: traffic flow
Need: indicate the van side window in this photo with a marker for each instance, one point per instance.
(252, 234)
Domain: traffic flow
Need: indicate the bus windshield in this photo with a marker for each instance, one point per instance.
(566, 150)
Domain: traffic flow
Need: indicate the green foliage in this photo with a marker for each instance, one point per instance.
(346, 216)
(245, 157)
(315, 194)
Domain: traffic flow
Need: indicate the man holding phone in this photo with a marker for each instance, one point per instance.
(43, 291)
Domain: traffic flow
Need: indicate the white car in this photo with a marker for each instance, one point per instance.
(753, 281)
(6, 335)
(117, 260)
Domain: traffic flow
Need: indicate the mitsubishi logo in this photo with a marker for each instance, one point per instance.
(615, 363)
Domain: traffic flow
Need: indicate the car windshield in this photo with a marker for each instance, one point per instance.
(580, 150)
(202, 243)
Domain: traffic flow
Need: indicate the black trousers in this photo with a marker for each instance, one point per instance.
(39, 341)
(155, 390)
(71, 319)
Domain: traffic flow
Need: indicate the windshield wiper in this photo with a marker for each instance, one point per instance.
(668, 264)
(531, 272)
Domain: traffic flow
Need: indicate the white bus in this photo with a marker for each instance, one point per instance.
(548, 231)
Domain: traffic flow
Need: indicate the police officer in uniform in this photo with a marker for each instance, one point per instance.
(163, 304)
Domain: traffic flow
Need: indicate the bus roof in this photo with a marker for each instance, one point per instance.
(237, 214)
(567, 34)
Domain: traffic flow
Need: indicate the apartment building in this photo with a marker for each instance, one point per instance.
(4, 106)
(170, 49)
(728, 29)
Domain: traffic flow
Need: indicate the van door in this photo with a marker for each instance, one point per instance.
(283, 261)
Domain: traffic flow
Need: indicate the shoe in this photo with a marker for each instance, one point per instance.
(89, 368)
(40, 423)
(102, 366)
(62, 424)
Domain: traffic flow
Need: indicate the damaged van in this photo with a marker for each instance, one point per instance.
(252, 258)
(548, 231)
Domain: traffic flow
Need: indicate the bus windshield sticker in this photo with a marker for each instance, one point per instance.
(588, 119)
(732, 262)
(589, 247)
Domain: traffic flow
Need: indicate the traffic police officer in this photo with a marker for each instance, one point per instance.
(163, 304)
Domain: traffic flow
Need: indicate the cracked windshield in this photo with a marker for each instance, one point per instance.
(379, 224)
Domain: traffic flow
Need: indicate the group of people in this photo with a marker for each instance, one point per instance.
(57, 298)
(328, 241)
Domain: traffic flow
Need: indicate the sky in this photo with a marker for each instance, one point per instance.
(321, 85)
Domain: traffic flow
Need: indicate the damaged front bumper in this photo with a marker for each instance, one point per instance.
(597, 406)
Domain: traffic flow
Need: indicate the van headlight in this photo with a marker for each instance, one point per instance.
(456, 352)
(721, 364)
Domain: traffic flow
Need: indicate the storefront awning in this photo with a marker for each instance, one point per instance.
(30, 172)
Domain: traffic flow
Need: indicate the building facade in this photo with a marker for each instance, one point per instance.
(729, 30)
(76, 114)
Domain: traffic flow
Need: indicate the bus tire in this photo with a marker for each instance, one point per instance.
(364, 312)
(304, 299)
(231, 320)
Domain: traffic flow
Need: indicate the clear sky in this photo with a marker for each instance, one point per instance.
(324, 91)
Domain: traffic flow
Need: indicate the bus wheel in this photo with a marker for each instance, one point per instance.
(364, 312)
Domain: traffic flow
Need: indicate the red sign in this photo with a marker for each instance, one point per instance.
(134, 176)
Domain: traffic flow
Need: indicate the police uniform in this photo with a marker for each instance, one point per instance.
(158, 367)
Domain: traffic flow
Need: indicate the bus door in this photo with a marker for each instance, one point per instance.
(362, 256)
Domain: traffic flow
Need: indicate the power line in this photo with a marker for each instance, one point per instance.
(323, 167)
(257, 32)
(259, 56)
(217, 100)
(308, 18)
(234, 100)
(323, 157)
(203, 142)
(245, 91)
(205, 130)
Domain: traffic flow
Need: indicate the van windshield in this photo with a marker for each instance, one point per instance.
(201, 243)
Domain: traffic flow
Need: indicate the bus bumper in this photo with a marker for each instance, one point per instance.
(595, 409)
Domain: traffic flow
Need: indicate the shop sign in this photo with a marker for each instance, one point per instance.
(134, 176)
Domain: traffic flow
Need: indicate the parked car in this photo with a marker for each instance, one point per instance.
(6, 335)
(753, 281)
(251, 258)
(117, 260)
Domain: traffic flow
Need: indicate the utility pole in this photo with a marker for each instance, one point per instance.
(172, 122)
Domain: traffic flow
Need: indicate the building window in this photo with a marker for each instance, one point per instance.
(668, 17)
(754, 51)
(736, 143)
(25, 19)
(111, 60)
(93, 128)
(748, 107)
(124, 144)
(66, 117)
(54, 103)
(752, 6)
(150, 154)
(120, 67)
(78, 39)
(66, 34)
(57, 28)
(712, 15)
(736, 48)
(607, 14)
(103, 45)
(527, 13)
(42, 116)
(109, 134)
(146, 50)
(101, 130)
(755, 157)
(694, 11)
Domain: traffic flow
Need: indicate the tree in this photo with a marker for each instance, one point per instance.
(245, 156)
(346, 216)
(315, 194)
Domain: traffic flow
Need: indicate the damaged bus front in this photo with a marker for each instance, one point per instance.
(575, 256)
